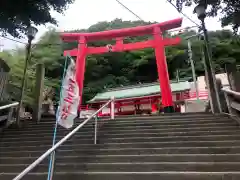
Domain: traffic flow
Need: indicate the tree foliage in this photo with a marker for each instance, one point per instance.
(119, 69)
(16, 16)
(228, 10)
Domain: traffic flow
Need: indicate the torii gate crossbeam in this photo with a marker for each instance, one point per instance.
(158, 43)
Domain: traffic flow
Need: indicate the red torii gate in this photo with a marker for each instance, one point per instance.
(158, 43)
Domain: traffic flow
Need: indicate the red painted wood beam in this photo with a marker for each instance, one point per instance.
(112, 34)
(125, 47)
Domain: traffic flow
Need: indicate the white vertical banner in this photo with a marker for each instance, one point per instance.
(69, 98)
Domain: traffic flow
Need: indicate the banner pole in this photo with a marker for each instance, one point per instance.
(52, 158)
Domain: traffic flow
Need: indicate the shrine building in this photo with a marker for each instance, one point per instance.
(140, 99)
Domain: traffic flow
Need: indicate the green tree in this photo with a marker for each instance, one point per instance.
(228, 9)
(16, 16)
(49, 52)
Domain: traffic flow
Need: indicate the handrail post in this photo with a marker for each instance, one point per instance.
(95, 130)
(112, 108)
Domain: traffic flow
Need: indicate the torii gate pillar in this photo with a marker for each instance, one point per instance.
(158, 43)
(162, 68)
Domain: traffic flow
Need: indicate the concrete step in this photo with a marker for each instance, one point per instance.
(119, 121)
(102, 130)
(132, 167)
(46, 120)
(163, 175)
(138, 148)
(34, 127)
(52, 118)
(142, 119)
(45, 141)
(156, 144)
(52, 121)
(171, 147)
(128, 140)
(199, 125)
(133, 127)
(128, 158)
(43, 133)
(117, 125)
(136, 118)
(121, 135)
(113, 123)
(172, 129)
(167, 116)
(165, 134)
(113, 141)
(33, 138)
(175, 114)
(168, 128)
(169, 138)
(93, 151)
(33, 130)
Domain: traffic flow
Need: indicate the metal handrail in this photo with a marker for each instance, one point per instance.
(9, 116)
(59, 143)
(9, 105)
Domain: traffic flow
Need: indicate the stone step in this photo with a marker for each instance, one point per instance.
(173, 129)
(168, 138)
(127, 158)
(93, 150)
(47, 122)
(163, 175)
(140, 148)
(199, 125)
(156, 144)
(122, 135)
(48, 127)
(136, 121)
(137, 139)
(28, 132)
(195, 146)
(131, 167)
(132, 127)
(113, 123)
(44, 141)
(128, 140)
(171, 118)
(25, 133)
(167, 116)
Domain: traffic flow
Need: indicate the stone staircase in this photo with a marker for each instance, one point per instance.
(169, 147)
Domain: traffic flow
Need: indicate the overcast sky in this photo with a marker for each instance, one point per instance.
(84, 13)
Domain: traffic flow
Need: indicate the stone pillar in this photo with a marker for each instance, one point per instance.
(38, 94)
(233, 76)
